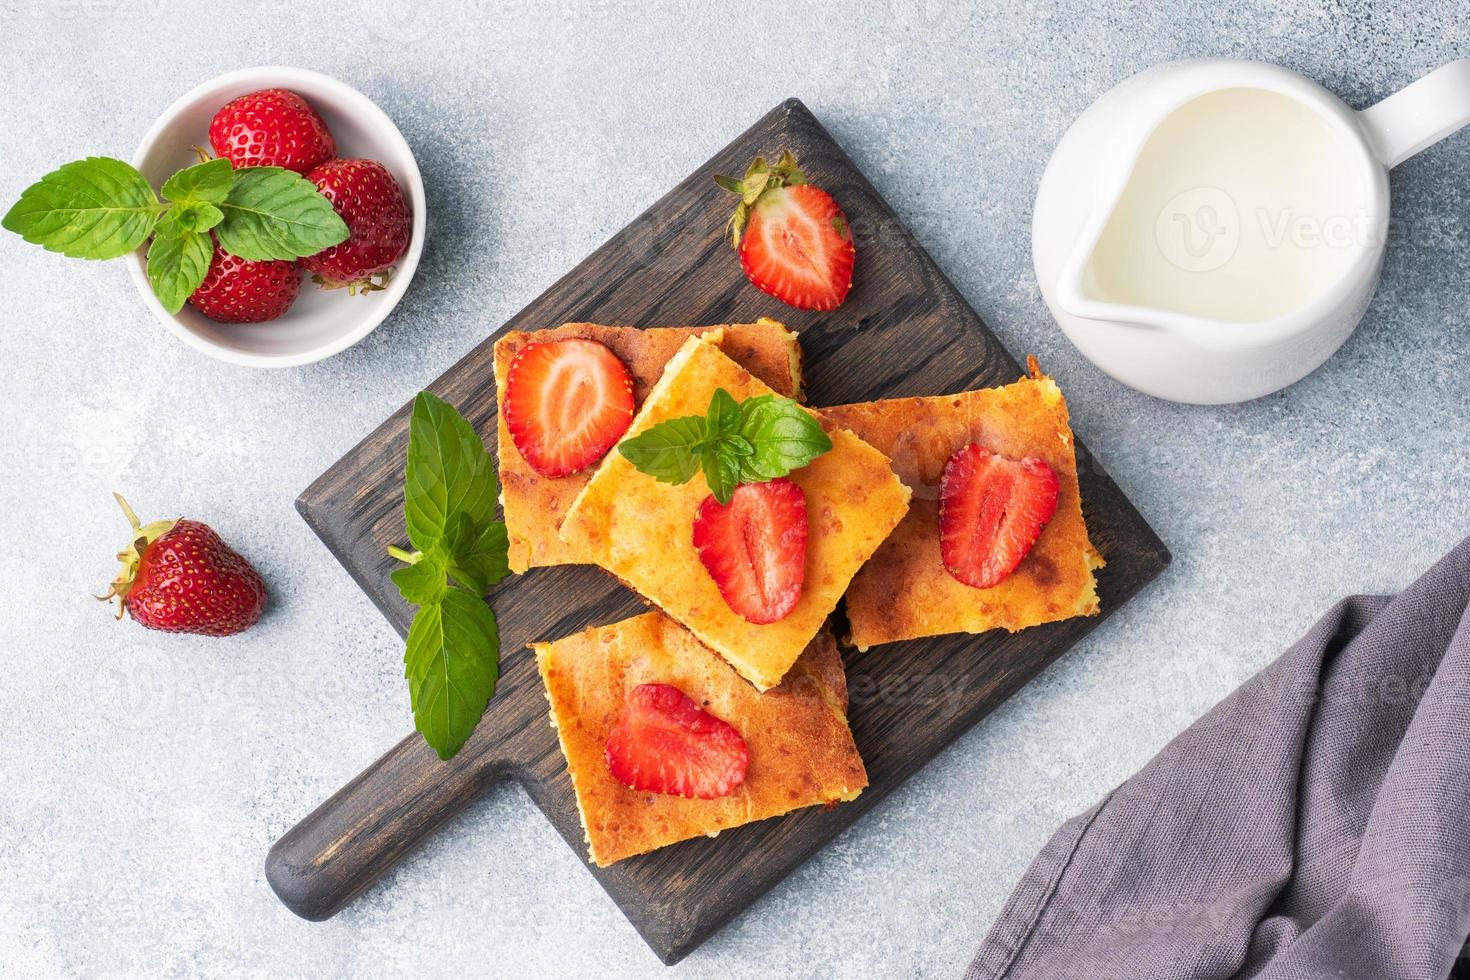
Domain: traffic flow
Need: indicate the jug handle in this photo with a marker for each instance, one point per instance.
(1420, 115)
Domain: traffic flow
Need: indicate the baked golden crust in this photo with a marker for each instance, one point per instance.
(904, 591)
(642, 530)
(533, 504)
(801, 750)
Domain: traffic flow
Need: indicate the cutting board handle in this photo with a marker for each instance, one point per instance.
(345, 844)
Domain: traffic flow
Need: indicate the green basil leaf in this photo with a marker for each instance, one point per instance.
(750, 407)
(448, 472)
(721, 472)
(452, 661)
(477, 553)
(271, 213)
(786, 437)
(723, 416)
(670, 451)
(199, 216)
(422, 583)
(178, 261)
(97, 208)
(204, 183)
(737, 446)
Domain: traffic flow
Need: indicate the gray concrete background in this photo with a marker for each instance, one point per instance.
(146, 775)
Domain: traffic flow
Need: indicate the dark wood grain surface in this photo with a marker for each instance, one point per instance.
(904, 330)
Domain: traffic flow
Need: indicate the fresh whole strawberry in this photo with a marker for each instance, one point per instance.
(991, 511)
(666, 743)
(271, 128)
(372, 204)
(237, 291)
(566, 403)
(794, 241)
(754, 548)
(178, 576)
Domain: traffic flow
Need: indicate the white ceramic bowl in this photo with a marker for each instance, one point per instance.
(321, 322)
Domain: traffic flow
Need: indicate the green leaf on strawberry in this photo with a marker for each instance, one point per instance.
(273, 213)
(178, 261)
(97, 208)
(452, 655)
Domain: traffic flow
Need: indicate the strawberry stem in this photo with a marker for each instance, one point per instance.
(407, 557)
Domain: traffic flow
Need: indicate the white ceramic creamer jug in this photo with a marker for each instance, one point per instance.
(1211, 231)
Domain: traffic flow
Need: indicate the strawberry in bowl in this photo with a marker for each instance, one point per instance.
(237, 291)
(213, 243)
(271, 128)
(379, 224)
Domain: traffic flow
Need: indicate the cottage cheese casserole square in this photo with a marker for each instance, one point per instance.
(801, 752)
(534, 504)
(905, 592)
(641, 530)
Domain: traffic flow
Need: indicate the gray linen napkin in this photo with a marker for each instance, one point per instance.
(1315, 823)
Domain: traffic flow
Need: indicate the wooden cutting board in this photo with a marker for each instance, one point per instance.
(904, 330)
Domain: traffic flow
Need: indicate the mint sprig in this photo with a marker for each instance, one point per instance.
(452, 658)
(753, 441)
(101, 208)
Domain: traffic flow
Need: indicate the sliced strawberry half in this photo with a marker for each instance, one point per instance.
(567, 402)
(991, 511)
(754, 548)
(794, 240)
(665, 743)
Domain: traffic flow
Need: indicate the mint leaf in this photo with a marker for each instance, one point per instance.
(199, 216)
(785, 437)
(448, 472)
(422, 583)
(451, 662)
(204, 183)
(178, 261)
(272, 213)
(670, 451)
(477, 553)
(721, 472)
(723, 417)
(753, 441)
(97, 208)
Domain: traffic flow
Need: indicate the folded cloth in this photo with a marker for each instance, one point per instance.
(1315, 823)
